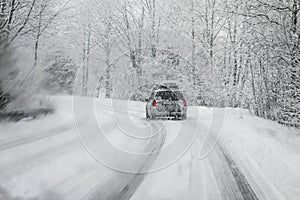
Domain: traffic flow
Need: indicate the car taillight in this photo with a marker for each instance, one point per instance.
(184, 102)
(154, 103)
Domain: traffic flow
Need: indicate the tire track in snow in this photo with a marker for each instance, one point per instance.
(127, 183)
(232, 179)
(232, 182)
(23, 141)
(240, 178)
(52, 133)
(54, 149)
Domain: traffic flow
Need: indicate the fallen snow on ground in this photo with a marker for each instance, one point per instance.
(46, 158)
(269, 152)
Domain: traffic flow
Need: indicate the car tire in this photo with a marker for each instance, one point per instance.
(152, 117)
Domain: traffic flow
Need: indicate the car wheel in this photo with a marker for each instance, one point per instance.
(152, 117)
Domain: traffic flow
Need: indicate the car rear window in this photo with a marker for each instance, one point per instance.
(169, 95)
(179, 95)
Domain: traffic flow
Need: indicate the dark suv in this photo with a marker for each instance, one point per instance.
(166, 103)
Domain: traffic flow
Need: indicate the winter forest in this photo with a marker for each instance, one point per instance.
(223, 53)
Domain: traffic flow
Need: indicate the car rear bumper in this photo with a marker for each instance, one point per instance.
(168, 113)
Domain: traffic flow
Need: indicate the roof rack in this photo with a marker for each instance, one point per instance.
(170, 86)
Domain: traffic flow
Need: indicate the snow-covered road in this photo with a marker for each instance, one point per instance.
(205, 171)
(108, 150)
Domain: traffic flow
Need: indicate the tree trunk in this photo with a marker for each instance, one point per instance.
(108, 83)
(86, 53)
(193, 46)
(253, 89)
(153, 23)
